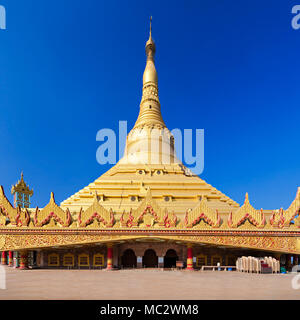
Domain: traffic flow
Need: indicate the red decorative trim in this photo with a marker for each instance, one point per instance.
(150, 210)
(281, 221)
(249, 217)
(50, 216)
(109, 231)
(99, 218)
(203, 217)
(19, 222)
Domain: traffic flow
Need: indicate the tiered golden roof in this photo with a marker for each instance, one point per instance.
(172, 185)
(174, 189)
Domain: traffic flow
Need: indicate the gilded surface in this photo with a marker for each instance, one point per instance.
(282, 218)
(148, 214)
(166, 203)
(280, 244)
(52, 213)
(202, 212)
(96, 213)
(247, 212)
(10, 215)
(284, 244)
(22, 187)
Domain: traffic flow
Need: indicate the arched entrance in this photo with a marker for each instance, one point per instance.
(129, 259)
(170, 259)
(150, 259)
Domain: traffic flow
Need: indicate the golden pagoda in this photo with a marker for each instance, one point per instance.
(148, 212)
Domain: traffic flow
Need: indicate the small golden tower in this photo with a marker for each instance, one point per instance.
(21, 193)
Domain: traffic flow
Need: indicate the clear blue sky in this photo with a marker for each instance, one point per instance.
(69, 68)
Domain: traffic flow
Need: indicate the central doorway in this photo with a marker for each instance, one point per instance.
(150, 259)
(170, 259)
(129, 259)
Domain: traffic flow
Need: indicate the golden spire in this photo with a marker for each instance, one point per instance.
(150, 141)
(150, 74)
(150, 114)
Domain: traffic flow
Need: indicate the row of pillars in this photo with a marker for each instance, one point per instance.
(110, 254)
(109, 266)
(13, 262)
(23, 255)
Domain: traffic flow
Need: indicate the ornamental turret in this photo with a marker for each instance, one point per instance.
(21, 193)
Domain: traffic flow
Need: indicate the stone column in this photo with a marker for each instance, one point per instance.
(288, 262)
(160, 262)
(116, 256)
(38, 258)
(277, 255)
(3, 258)
(23, 260)
(16, 259)
(189, 260)
(110, 254)
(43, 261)
(10, 258)
(139, 262)
(296, 261)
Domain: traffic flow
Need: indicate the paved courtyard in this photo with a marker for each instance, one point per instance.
(145, 284)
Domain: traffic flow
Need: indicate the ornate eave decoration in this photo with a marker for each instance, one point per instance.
(98, 213)
(149, 213)
(52, 212)
(202, 212)
(16, 216)
(247, 212)
(283, 218)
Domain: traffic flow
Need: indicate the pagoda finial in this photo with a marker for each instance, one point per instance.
(246, 197)
(52, 199)
(150, 106)
(150, 52)
(150, 37)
